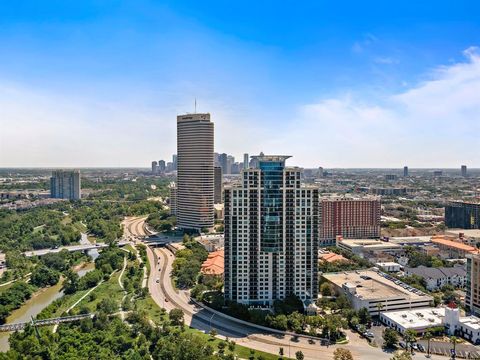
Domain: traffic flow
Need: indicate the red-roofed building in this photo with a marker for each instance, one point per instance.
(214, 265)
(331, 257)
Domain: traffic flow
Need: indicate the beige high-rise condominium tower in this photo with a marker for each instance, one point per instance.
(195, 175)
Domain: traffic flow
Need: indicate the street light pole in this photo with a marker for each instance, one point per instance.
(211, 321)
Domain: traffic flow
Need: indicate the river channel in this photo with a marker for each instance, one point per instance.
(39, 301)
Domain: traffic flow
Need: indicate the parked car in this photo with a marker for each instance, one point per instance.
(402, 344)
(421, 347)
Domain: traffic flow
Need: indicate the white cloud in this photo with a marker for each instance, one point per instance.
(435, 123)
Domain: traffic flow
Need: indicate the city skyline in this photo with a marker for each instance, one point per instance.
(89, 85)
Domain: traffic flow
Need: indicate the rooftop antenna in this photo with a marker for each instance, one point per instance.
(195, 105)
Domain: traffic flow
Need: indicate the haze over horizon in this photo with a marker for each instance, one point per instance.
(371, 85)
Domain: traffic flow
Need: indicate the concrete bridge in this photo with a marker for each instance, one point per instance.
(71, 248)
(44, 322)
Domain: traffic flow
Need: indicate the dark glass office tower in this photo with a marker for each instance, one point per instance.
(462, 215)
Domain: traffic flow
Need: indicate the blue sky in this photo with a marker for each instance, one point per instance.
(335, 84)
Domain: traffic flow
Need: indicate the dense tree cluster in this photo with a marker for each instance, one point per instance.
(106, 338)
(355, 262)
(36, 228)
(161, 220)
(43, 276)
(188, 262)
(12, 298)
(114, 189)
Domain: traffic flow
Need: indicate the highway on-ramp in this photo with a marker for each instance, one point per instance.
(203, 319)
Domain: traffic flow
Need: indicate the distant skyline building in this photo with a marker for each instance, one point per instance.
(271, 235)
(320, 172)
(230, 164)
(65, 184)
(154, 167)
(391, 177)
(351, 218)
(195, 171)
(223, 161)
(246, 161)
(161, 166)
(462, 215)
(405, 171)
(175, 161)
(218, 180)
(464, 170)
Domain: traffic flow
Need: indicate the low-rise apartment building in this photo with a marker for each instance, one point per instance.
(436, 278)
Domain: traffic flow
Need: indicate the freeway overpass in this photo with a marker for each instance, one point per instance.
(71, 248)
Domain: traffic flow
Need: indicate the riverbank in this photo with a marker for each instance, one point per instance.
(40, 300)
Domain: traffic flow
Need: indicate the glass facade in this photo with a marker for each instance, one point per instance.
(271, 205)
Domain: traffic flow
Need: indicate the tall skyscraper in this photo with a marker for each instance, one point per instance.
(464, 170)
(463, 215)
(352, 218)
(271, 235)
(175, 161)
(246, 160)
(161, 166)
(405, 171)
(154, 167)
(320, 172)
(218, 193)
(195, 174)
(223, 160)
(65, 184)
(230, 163)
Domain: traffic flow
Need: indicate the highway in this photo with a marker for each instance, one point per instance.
(203, 319)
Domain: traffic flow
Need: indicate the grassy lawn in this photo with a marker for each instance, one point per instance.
(109, 289)
(240, 351)
(6, 287)
(66, 220)
(80, 227)
(152, 309)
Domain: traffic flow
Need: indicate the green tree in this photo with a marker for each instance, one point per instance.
(326, 289)
(299, 355)
(390, 338)
(364, 316)
(107, 306)
(43, 276)
(176, 317)
(428, 336)
(410, 336)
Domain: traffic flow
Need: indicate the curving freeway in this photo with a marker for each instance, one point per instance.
(250, 336)
(204, 319)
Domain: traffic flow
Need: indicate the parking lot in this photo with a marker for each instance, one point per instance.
(466, 351)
